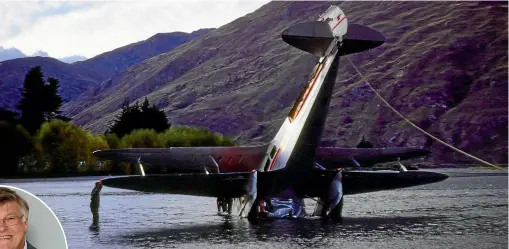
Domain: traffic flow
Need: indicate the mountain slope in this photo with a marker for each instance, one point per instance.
(444, 66)
(109, 63)
(74, 80)
(81, 76)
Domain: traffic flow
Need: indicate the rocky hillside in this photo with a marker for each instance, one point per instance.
(81, 76)
(444, 66)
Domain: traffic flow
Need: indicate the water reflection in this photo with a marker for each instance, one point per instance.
(310, 232)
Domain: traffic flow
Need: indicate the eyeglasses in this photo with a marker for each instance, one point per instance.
(12, 220)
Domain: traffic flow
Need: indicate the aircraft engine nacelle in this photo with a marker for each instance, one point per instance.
(332, 26)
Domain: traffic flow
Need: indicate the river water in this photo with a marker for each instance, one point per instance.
(468, 210)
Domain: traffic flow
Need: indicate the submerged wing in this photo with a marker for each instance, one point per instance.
(235, 185)
(356, 182)
(230, 185)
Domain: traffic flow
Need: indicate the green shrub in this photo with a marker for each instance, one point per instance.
(184, 136)
(67, 148)
(142, 138)
(112, 140)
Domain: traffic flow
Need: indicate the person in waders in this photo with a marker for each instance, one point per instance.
(94, 205)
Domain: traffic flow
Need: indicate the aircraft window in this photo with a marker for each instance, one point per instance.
(273, 152)
(267, 164)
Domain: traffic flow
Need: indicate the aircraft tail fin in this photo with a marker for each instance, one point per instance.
(329, 37)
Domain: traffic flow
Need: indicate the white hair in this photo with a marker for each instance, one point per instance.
(8, 195)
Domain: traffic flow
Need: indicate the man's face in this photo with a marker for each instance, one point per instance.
(12, 237)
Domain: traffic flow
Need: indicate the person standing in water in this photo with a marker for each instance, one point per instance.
(94, 204)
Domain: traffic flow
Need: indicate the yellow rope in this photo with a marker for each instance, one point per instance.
(417, 127)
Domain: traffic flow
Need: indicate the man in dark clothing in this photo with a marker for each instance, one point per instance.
(94, 205)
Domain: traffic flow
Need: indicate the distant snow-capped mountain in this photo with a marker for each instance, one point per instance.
(14, 53)
(10, 53)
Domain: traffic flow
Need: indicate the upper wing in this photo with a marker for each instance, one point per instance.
(332, 157)
(193, 159)
(189, 159)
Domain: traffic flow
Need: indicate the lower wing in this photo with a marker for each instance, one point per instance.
(230, 185)
(235, 185)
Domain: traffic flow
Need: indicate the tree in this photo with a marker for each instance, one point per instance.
(113, 167)
(153, 117)
(142, 138)
(8, 116)
(180, 136)
(68, 148)
(40, 101)
(31, 98)
(184, 136)
(15, 143)
(52, 100)
(136, 117)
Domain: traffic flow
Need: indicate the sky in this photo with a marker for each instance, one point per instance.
(68, 27)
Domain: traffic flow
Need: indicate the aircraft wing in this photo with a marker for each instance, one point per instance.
(333, 157)
(230, 185)
(235, 185)
(184, 159)
(189, 159)
(153, 156)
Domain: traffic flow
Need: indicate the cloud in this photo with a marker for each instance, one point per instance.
(65, 28)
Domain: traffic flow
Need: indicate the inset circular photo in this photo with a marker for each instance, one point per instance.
(27, 222)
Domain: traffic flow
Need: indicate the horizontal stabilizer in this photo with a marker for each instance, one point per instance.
(360, 38)
(313, 37)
